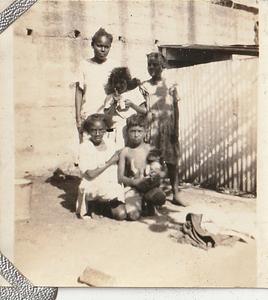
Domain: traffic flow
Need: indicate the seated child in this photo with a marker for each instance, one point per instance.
(98, 164)
(124, 99)
(153, 172)
(132, 164)
(154, 166)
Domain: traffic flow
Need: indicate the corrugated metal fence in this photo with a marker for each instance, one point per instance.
(218, 120)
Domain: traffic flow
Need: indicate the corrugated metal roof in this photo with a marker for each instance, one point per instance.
(250, 3)
(227, 49)
(179, 56)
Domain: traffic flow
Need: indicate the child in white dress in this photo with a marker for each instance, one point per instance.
(98, 164)
(124, 100)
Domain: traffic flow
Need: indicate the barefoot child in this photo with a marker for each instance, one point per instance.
(123, 100)
(161, 95)
(98, 165)
(132, 164)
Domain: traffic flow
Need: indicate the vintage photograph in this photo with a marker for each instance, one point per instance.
(135, 136)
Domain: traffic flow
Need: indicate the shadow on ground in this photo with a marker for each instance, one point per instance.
(69, 184)
(162, 221)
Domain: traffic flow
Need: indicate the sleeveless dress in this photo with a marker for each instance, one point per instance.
(162, 127)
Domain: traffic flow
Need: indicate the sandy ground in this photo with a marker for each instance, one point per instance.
(54, 247)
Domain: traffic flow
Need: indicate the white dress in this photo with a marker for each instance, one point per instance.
(92, 80)
(104, 186)
(119, 135)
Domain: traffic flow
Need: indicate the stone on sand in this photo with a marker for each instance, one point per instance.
(96, 278)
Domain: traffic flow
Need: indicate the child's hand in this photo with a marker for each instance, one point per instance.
(128, 103)
(137, 181)
(174, 93)
(116, 94)
(115, 158)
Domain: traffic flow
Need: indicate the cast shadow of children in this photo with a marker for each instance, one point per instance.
(69, 184)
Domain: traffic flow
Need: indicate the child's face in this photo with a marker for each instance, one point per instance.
(136, 135)
(101, 47)
(97, 132)
(154, 68)
(120, 85)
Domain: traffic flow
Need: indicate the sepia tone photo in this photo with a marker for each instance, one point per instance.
(135, 137)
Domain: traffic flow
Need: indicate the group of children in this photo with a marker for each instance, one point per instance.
(128, 179)
(122, 144)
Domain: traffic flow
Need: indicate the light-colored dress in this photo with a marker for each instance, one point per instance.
(104, 186)
(92, 80)
(162, 127)
(119, 135)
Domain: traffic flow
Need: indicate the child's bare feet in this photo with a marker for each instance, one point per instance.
(85, 217)
(177, 201)
(79, 216)
(96, 216)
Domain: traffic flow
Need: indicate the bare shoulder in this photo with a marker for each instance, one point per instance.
(147, 147)
(124, 152)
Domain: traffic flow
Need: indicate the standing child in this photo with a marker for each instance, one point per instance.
(122, 102)
(162, 133)
(132, 163)
(98, 165)
(93, 75)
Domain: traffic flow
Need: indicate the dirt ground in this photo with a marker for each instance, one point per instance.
(54, 247)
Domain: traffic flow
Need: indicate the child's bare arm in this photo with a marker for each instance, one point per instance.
(78, 105)
(139, 108)
(91, 174)
(110, 106)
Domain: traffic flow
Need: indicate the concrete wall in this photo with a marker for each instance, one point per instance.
(46, 62)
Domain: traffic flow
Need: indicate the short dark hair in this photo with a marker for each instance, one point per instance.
(157, 56)
(99, 33)
(90, 120)
(154, 153)
(136, 120)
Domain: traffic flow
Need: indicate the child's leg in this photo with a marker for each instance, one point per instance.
(174, 181)
(91, 207)
(154, 199)
(80, 204)
(118, 210)
(84, 205)
(133, 207)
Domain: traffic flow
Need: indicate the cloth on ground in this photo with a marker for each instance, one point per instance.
(192, 233)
